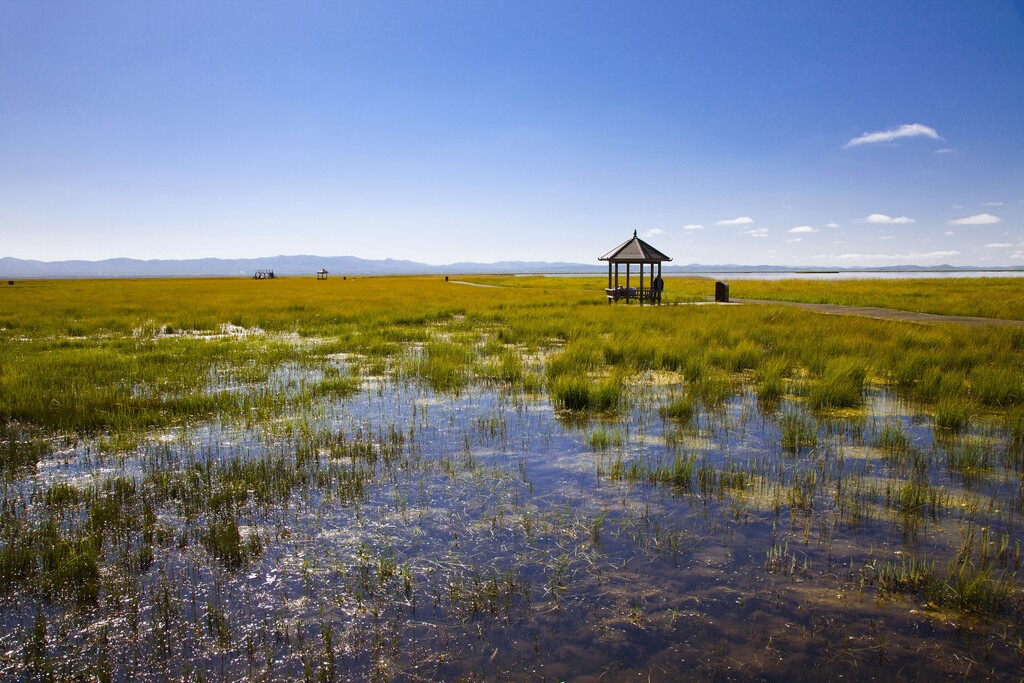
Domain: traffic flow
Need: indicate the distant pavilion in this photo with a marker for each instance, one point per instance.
(635, 250)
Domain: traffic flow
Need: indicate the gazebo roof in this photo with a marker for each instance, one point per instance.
(634, 250)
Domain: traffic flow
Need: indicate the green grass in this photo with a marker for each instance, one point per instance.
(679, 409)
(953, 414)
(581, 393)
(841, 385)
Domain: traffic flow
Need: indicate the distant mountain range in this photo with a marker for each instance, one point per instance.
(304, 265)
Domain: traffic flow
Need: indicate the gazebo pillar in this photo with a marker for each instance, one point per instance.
(640, 292)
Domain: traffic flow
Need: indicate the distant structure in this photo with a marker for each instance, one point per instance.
(321, 274)
(635, 250)
(264, 275)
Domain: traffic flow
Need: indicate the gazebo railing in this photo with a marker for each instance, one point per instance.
(627, 293)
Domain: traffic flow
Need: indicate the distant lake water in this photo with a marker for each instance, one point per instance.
(819, 275)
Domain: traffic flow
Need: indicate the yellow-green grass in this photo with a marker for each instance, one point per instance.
(86, 355)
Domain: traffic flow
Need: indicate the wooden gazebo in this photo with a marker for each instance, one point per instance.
(635, 250)
(321, 274)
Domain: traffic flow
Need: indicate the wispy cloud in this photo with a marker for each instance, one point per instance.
(977, 219)
(757, 232)
(742, 220)
(1017, 254)
(831, 225)
(802, 229)
(654, 232)
(693, 226)
(795, 239)
(991, 204)
(945, 150)
(888, 220)
(999, 245)
(907, 130)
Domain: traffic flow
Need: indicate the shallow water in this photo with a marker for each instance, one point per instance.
(491, 540)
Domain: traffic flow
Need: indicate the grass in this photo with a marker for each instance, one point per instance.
(841, 385)
(679, 409)
(953, 414)
(581, 393)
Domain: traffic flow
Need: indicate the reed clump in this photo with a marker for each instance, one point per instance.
(841, 385)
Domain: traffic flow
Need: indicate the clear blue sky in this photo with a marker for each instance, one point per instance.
(800, 133)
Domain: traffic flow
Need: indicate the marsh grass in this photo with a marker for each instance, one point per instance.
(893, 440)
(798, 431)
(964, 585)
(603, 438)
(581, 393)
(953, 414)
(771, 380)
(680, 409)
(841, 385)
(711, 389)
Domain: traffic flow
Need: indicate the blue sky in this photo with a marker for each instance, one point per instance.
(797, 133)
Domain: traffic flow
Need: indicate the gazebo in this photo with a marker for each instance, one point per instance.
(634, 250)
(321, 274)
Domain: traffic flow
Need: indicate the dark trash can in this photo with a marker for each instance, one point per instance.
(722, 292)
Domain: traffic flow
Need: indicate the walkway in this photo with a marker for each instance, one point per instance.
(885, 313)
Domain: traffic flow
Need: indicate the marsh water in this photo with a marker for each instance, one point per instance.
(400, 533)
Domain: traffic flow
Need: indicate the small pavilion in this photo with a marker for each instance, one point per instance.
(635, 250)
(321, 274)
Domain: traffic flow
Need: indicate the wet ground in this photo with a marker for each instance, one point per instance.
(493, 537)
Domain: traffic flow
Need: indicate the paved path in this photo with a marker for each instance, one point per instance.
(885, 313)
(471, 284)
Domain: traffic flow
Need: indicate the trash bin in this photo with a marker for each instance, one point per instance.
(722, 292)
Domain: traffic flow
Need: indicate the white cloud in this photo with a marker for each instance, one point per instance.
(654, 232)
(945, 150)
(889, 220)
(998, 245)
(831, 225)
(978, 219)
(757, 232)
(795, 239)
(911, 130)
(802, 229)
(991, 204)
(949, 233)
(1017, 254)
(693, 226)
(742, 220)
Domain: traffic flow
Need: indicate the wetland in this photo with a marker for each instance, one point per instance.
(407, 479)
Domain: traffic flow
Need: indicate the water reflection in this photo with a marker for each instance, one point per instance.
(492, 537)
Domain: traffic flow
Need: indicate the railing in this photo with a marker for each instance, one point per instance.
(627, 293)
